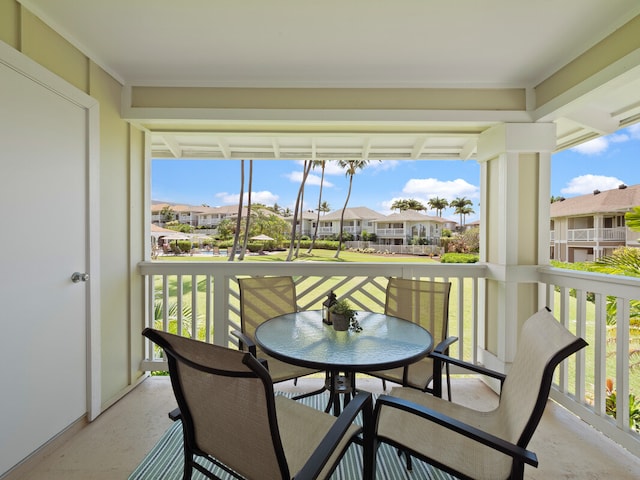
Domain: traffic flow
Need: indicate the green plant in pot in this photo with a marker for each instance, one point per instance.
(342, 315)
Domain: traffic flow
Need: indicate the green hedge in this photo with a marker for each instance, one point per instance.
(459, 258)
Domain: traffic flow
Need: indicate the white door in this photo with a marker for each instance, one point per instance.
(44, 329)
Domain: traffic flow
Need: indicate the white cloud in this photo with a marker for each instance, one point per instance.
(427, 188)
(601, 144)
(634, 131)
(618, 138)
(585, 184)
(265, 197)
(592, 147)
(312, 179)
(384, 165)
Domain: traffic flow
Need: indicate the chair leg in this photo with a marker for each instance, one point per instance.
(384, 385)
(448, 383)
(295, 381)
(407, 457)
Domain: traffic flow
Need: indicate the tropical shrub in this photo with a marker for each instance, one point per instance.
(634, 406)
(459, 258)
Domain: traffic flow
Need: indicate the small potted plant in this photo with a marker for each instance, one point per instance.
(342, 315)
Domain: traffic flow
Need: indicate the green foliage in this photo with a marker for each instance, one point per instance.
(408, 204)
(466, 242)
(632, 219)
(180, 227)
(634, 407)
(343, 307)
(168, 215)
(623, 261)
(459, 258)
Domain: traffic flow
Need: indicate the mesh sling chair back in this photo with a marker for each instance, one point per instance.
(262, 298)
(482, 445)
(231, 416)
(427, 304)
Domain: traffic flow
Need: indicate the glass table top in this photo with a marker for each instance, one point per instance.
(303, 339)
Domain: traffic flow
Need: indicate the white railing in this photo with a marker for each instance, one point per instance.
(386, 232)
(203, 298)
(581, 301)
(581, 235)
(593, 234)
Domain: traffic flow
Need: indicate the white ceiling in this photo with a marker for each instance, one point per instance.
(339, 43)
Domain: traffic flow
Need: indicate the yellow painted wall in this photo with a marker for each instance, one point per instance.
(45, 46)
(527, 224)
(9, 24)
(122, 221)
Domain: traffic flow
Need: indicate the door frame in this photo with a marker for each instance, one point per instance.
(25, 66)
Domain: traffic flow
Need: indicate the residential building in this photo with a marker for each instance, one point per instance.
(356, 221)
(409, 227)
(308, 224)
(210, 217)
(187, 214)
(588, 227)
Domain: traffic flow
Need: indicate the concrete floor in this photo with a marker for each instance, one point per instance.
(113, 445)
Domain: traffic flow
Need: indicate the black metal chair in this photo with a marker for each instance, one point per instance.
(475, 444)
(231, 417)
(427, 304)
(262, 298)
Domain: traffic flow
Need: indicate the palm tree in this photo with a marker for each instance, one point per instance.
(305, 174)
(236, 236)
(399, 204)
(322, 165)
(438, 204)
(413, 204)
(351, 167)
(462, 207)
(410, 204)
(304, 181)
(324, 208)
(246, 228)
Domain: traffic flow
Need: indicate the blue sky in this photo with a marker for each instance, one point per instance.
(600, 164)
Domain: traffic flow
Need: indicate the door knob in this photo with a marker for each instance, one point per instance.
(79, 277)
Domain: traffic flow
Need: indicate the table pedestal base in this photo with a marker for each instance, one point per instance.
(339, 384)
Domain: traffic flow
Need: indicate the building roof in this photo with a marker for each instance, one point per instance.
(157, 208)
(355, 213)
(618, 200)
(306, 215)
(411, 216)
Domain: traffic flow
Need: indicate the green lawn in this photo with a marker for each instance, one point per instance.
(315, 256)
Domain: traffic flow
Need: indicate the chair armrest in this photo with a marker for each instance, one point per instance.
(363, 402)
(444, 345)
(497, 443)
(245, 341)
(468, 366)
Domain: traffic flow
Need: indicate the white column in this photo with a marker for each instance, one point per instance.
(514, 210)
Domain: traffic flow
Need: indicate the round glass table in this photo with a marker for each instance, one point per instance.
(303, 339)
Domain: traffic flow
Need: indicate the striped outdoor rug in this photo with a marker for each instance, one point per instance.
(165, 460)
